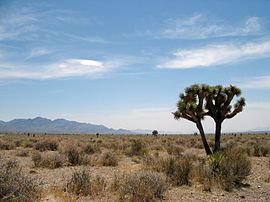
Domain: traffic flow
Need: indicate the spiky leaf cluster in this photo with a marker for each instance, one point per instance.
(190, 104)
(203, 100)
(218, 102)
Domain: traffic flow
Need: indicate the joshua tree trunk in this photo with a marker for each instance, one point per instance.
(205, 143)
(217, 136)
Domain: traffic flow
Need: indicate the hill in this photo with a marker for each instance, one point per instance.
(57, 126)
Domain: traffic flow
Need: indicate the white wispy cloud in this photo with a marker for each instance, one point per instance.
(256, 82)
(64, 69)
(217, 54)
(37, 52)
(201, 26)
(31, 24)
(18, 24)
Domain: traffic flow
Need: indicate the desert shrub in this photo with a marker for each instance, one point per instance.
(205, 176)
(257, 150)
(91, 149)
(46, 145)
(74, 156)
(27, 144)
(22, 152)
(137, 147)
(177, 170)
(48, 160)
(152, 163)
(140, 186)
(15, 185)
(109, 159)
(81, 183)
(227, 169)
(234, 168)
(265, 149)
(7, 145)
(175, 150)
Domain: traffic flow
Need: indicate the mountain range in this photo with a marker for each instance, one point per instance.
(57, 126)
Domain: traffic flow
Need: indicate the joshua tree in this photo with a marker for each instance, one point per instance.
(191, 107)
(218, 104)
(199, 101)
(155, 133)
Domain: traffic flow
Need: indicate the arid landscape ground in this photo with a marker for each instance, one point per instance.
(133, 168)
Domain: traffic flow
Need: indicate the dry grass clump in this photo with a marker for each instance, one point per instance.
(4, 145)
(109, 159)
(228, 169)
(81, 183)
(27, 143)
(46, 145)
(137, 148)
(73, 154)
(23, 152)
(15, 185)
(174, 149)
(91, 149)
(47, 160)
(261, 149)
(234, 168)
(177, 170)
(140, 186)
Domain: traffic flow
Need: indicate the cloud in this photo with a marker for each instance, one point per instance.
(256, 82)
(72, 67)
(17, 24)
(31, 23)
(201, 27)
(67, 68)
(37, 52)
(216, 54)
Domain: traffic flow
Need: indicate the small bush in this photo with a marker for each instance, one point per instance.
(109, 159)
(49, 160)
(91, 149)
(81, 183)
(7, 145)
(175, 150)
(177, 170)
(234, 168)
(15, 185)
(74, 156)
(23, 153)
(137, 147)
(140, 186)
(46, 145)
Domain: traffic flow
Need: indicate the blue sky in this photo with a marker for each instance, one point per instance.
(123, 63)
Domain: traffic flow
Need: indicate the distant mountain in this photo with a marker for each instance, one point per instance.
(57, 126)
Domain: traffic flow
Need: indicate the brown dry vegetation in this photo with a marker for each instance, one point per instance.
(133, 168)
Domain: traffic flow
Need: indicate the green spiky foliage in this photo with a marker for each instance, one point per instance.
(191, 107)
(218, 104)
